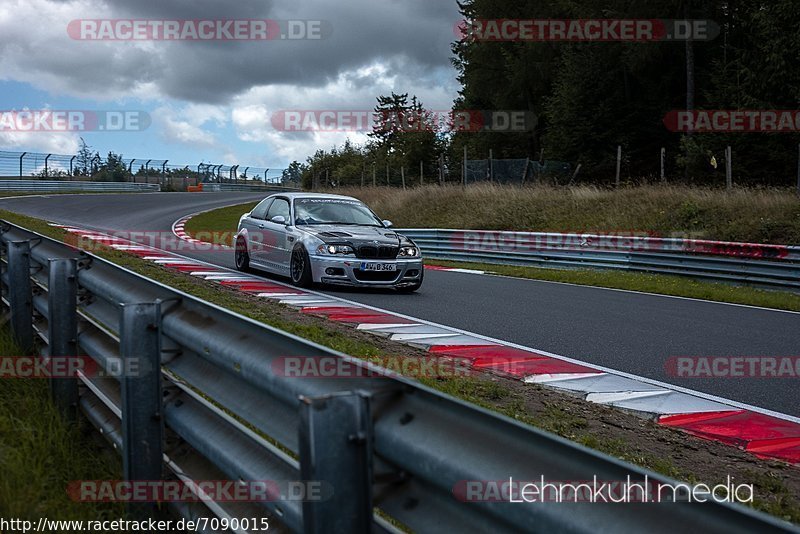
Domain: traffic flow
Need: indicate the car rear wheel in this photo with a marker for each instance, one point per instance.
(301, 268)
(241, 256)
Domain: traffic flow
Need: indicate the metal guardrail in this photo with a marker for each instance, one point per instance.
(206, 405)
(48, 185)
(759, 264)
(242, 187)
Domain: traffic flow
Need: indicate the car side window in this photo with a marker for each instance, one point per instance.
(279, 207)
(260, 211)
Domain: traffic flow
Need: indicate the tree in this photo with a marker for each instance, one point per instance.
(84, 162)
(113, 169)
(293, 174)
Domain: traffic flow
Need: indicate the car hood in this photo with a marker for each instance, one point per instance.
(331, 233)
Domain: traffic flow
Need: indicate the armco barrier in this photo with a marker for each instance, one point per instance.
(217, 411)
(767, 265)
(57, 186)
(243, 187)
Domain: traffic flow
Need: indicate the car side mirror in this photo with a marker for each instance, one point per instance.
(387, 223)
(278, 219)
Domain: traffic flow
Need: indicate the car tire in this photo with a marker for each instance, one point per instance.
(300, 268)
(242, 256)
(411, 289)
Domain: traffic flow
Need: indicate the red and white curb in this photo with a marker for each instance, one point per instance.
(762, 432)
(179, 229)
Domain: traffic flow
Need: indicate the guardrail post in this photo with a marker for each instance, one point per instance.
(336, 450)
(62, 330)
(142, 422)
(19, 293)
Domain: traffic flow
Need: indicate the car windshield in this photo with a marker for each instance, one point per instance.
(314, 211)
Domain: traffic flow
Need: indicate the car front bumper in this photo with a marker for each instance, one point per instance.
(347, 271)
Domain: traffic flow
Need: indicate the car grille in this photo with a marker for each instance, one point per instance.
(377, 252)
(376, 276)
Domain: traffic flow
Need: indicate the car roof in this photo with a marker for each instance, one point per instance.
(292, 196)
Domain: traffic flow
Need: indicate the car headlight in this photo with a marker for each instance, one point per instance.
(409, 252)
(335, 249)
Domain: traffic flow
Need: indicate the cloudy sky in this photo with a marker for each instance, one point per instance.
(213, 100)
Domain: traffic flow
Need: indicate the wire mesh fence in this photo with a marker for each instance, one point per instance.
(27, 165)
(516, 171)
(519, 171)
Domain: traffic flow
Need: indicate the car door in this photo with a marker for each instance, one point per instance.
(276, 235)
(255, 225)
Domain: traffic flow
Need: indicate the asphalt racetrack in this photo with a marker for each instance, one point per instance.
(630, 332)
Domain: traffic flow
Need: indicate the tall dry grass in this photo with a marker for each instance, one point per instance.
(756, 215)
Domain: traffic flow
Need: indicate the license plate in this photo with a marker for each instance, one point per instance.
(378, 267)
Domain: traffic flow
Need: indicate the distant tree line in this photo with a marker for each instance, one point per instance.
(591, 97)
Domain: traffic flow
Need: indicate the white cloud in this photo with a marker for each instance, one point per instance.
(253, 112)
(47, 142)
(376, 47)
(185, 124)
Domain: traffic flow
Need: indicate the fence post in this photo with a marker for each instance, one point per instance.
(663, 158)
(728, 168)
(47, 157)
(20, 297)
(142, 422)
(20, 163)
(62, 330)
(619, 163)
(525, 170)
(403, 176)
(575, 174)
(464, 170)
(336, 451)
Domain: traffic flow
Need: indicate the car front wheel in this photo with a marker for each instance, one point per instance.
(241, 256)
(301, 268)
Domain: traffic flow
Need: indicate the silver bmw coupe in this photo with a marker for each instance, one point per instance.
(328, 239)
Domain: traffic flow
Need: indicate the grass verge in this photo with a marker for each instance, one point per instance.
(40, 453)
(749, 215)
(605, 429)
(217, 226)
(220, 225)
